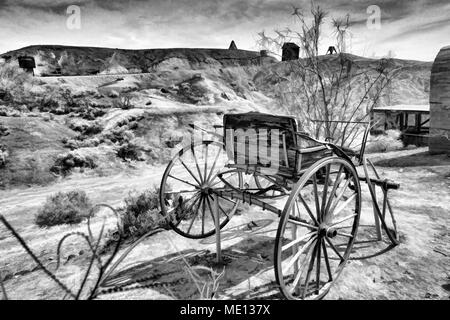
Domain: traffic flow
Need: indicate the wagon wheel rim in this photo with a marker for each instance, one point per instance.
(188, 186)
(317, 229)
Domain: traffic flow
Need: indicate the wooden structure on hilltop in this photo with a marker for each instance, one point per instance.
(27, 63)
(232, 46)
(440, 103)
(291, 51)
(412, 120)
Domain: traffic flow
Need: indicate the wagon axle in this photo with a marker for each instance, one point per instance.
(329, 232)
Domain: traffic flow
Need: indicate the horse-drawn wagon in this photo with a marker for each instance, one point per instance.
(265, 160)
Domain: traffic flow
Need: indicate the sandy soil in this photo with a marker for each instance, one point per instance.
(419, 268)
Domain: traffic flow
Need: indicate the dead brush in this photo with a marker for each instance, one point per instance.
(208, 288)
(95, 280)
(123, 101)
(104, 266)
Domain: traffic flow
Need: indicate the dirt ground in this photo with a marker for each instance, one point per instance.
(419, 268)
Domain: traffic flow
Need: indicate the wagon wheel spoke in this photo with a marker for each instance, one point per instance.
(324, 193)
(195, 215)
(334, 248)
(197, 165)
(343, 220)
(187, 210)
(327, 262)
(190, 172)
(310, 268)
(224, 212)
(300, 271)
(206, 164)
(319, 246)
(345, 234)
(316, 196)
(180, 191)
(345, 204)
(340, 195)
(213, 166)
(299, 253)
(298, 240)
(308, 210)
(333, 191)
(183, 181)
(303, 224)
(298, 209)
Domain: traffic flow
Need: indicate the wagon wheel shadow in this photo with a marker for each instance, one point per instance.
(252, 228)
(367, 245)
(169, 274)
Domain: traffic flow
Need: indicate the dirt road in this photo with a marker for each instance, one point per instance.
(419, 268)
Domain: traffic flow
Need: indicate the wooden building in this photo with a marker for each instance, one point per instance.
(412, 120)
(27, 63)
(440, 103)
(291, 51)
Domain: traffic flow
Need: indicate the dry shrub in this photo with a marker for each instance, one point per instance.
(123, 101)
(64, 208)
(141, 214)
(85, 127)
(66, 162)
(4, 155)
(389, 141)
(3, 130)
(15, 83)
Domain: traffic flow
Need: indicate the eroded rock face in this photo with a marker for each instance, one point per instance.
(440, 103)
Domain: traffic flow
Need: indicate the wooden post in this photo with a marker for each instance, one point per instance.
(418, 123)
(217, 224)
(375, 215)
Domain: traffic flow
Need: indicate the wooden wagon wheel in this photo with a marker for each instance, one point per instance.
(317, 229)
(187, 187)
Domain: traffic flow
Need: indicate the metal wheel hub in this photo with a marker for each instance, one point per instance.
(329, 232)
(206, 190)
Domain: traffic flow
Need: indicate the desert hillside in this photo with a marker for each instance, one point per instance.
(64, 60)
(109, 110)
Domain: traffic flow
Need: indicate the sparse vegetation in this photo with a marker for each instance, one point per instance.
(85, 127)
(3, 130)
(64, 208)
(15, 84)
(66, 162)
(141, 214)
(328, 93)
(389, 141)
(81, 141)
(123, 101)
(4, 154)
(130, 150)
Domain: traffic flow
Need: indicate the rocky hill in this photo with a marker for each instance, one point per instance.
(137, 107)
(65, 60)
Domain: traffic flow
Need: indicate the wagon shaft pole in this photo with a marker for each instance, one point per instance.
(375, 216)
(217, 224)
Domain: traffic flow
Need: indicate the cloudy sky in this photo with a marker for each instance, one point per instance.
(412, 29)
